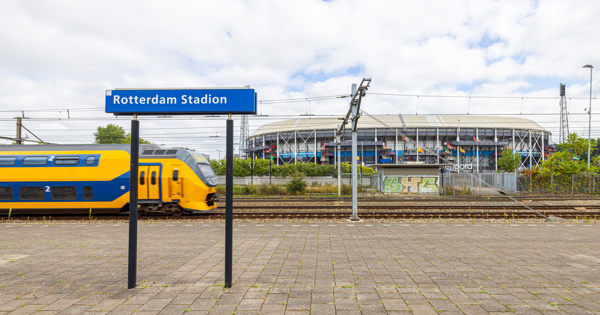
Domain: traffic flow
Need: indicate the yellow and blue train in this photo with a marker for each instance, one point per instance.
(95, 178)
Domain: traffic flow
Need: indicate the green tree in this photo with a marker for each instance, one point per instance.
(509, 161)
(578, 146)
(113, 134)
(571, 158)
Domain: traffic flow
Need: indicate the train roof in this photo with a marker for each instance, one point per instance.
(402, 121)
(146, 150)
(76, 147)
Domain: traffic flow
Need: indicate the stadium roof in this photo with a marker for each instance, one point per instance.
(401, 121)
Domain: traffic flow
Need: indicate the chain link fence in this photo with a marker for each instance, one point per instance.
(519, 183)
(559, 184)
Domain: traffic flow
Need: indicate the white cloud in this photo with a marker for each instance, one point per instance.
(64, 54)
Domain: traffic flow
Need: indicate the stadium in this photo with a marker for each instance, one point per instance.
(471, 143)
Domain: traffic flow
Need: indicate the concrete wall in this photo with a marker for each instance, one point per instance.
(412, 184)
(259, 180)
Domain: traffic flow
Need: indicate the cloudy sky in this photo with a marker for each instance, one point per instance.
(424, 57)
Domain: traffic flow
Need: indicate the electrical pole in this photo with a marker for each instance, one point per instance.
(354, 110)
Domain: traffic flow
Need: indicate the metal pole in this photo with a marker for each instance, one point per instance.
(590, 118)
(354, 176)
(19, 124)
(133, 203)
(354, 155)
(270, 162)
(396, 146)
(458, 147)
(339, 166)
(229, 204)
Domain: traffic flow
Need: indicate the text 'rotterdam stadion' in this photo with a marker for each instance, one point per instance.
(471, 143)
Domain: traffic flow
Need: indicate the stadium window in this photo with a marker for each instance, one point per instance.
(6, 193)
(175, 175)
(153, 178)
(32, 193)
(7, 160)
(88, 192)
(66, 160)
(90, 160)
(63, 193)
(35, 160)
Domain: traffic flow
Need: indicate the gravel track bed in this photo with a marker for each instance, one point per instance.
(508, 202)
(436, 221)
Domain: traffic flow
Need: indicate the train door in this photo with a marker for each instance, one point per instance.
(175, 183)
(143, 182)
(149, 182)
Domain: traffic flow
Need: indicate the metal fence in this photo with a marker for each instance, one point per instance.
(518, 183)
(473, 183)
(559, 184)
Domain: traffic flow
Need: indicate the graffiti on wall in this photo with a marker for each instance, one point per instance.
(411, 185)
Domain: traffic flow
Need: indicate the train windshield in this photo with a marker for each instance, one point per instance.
(209, 174)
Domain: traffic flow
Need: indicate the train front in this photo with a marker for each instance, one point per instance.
(201, 193)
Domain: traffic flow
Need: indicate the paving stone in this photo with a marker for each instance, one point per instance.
(155, 304)
(250, 304)
(298, 304)
(124, 309)
(107, 305)
(322, 309)
(272, 309)
(203, 304)
(481, 268)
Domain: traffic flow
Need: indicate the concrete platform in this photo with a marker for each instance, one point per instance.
(303, 268)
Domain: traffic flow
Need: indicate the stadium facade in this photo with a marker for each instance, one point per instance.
(471, 143)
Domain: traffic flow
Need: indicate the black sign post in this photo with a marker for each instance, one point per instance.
(133, 203)
(239, 101)
(229, 204)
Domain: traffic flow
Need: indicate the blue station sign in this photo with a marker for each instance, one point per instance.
(181, 101)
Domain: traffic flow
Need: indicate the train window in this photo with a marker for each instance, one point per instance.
(142, 178)
(32, 193)
(35, 160)
(63, 193)
(66, 160)
(176, 175)
(90, 160)
(159, 152)
(7, 160)
(6, 193)
(171, 151)
(88, 192)
(147, 152)
(153, 178)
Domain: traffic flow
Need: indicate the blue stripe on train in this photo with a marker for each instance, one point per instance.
(102, 190)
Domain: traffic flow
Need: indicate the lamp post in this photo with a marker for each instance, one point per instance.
(219, 151)
(590, 118)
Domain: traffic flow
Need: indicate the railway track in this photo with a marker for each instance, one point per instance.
(344, 212)
(408, 199)
(371, 208)
(412, 208)
(412, 215)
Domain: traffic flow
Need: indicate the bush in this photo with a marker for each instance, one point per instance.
(267, 190)
(296, 186)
